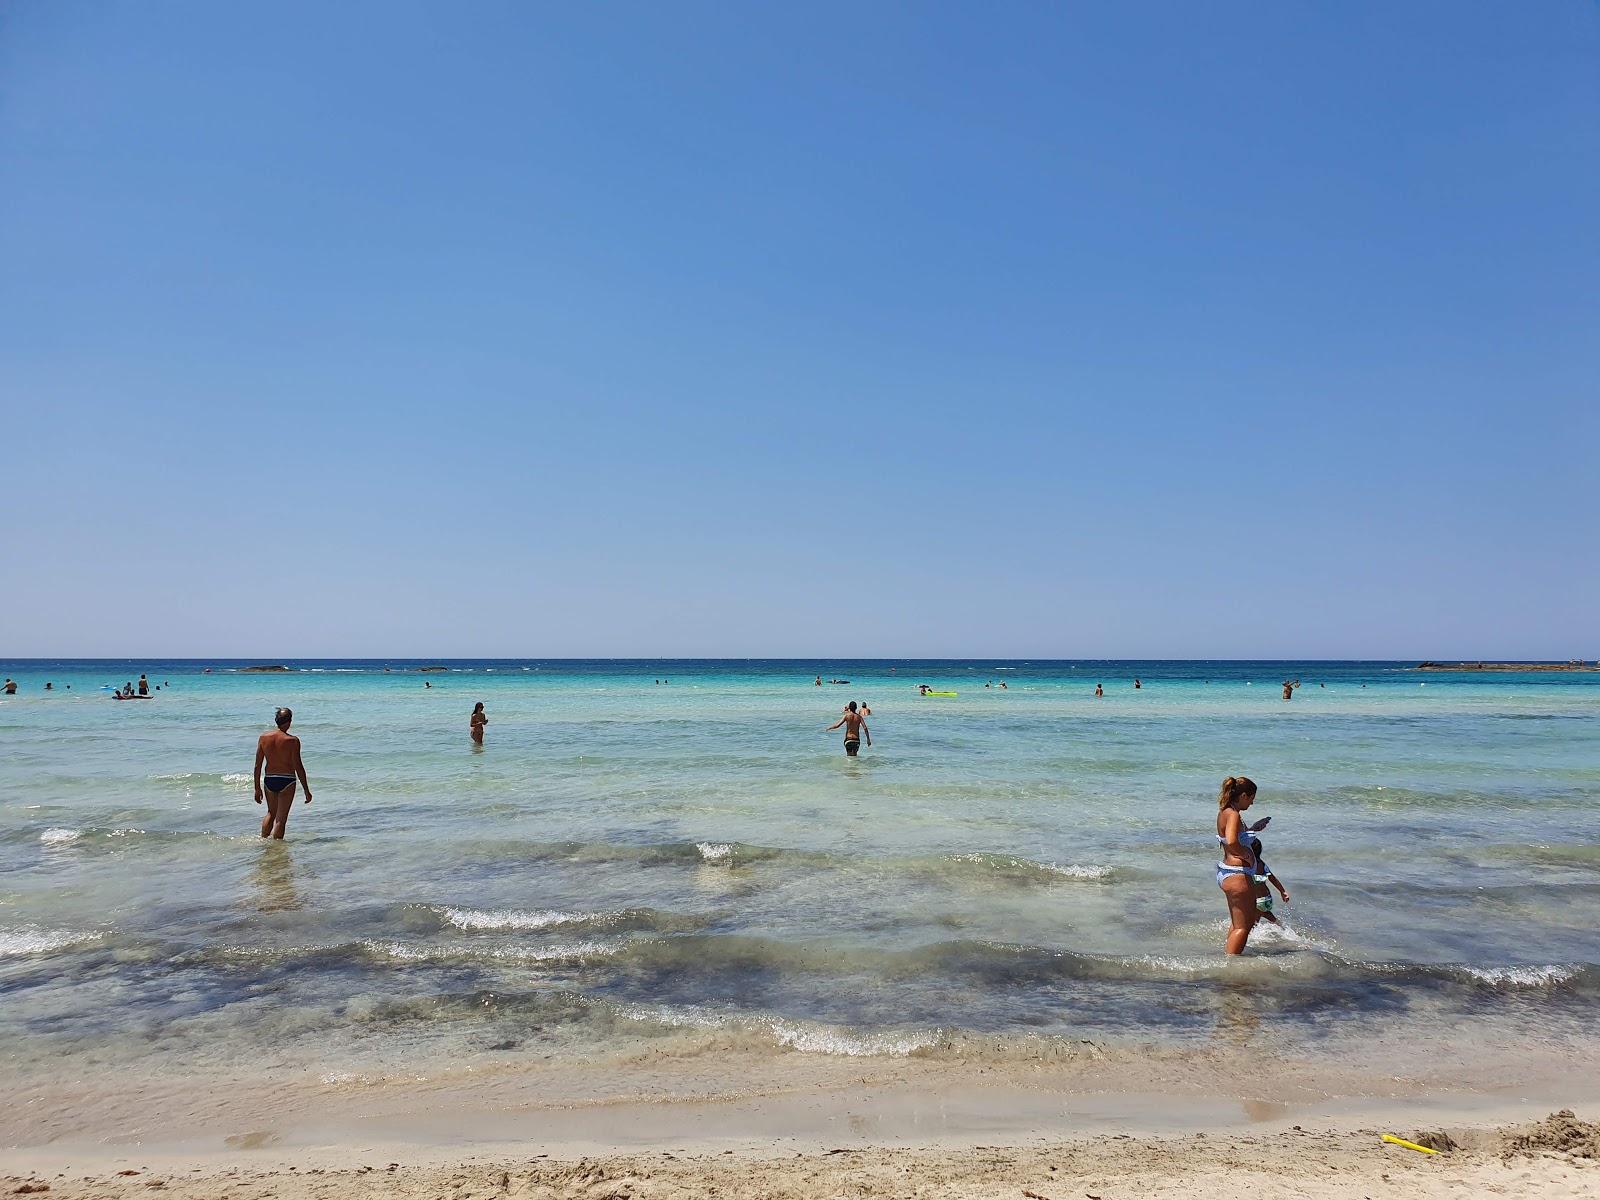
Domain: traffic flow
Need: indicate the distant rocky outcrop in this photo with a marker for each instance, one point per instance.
(272, 667)
(433, 668)
(1494, 666)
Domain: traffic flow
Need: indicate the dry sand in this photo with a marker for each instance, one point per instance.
(1552, 1158)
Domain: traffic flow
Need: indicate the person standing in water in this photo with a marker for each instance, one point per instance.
(1289, 687)
(1236, 873)
(1098, 690)
(855, 727)
(278, 752)
(479, 720)
(144, 686)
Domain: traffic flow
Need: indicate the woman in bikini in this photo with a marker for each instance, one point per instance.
(479, 720)
(1236, 872)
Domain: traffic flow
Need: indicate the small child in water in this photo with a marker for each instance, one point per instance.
(1264, 876)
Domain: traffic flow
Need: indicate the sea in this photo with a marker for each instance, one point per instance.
(677, 855)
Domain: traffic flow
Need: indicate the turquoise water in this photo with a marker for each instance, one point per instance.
(696, 864)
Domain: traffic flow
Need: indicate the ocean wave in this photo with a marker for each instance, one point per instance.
(572, 953)
(126, 839)
(649, 855)
(1549, 975)
(615, 920)
(66, 837)
(467, 918)
(807, 1037)
(15, 943)
(679, 959)
(1012, 868)
(1267, 935)
(688, 1031)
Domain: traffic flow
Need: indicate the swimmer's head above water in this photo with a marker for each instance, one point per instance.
(282, 718)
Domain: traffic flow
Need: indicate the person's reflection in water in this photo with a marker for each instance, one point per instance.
(1238, 1012)
(273, 880)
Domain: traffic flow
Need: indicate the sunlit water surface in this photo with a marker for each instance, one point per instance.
(630, 863)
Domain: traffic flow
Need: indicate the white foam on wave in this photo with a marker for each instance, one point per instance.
(60, 837)
(1266, 933)
(806, 1037)
(238, 777)
(17, 942)
(507, 918)
(821, 1039)
(1012, 862)
(1072, 871)
(1531, 976)
(557, 953)
(713, 851)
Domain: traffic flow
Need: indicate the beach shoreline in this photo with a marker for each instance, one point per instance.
(747, 1103)
(856, 1142)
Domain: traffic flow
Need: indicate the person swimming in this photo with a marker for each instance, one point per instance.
(855, 727)
(278, 751)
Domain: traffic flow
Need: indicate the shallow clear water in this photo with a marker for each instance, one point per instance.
(629, 863)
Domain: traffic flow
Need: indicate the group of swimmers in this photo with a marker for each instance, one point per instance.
(127, 692)
(10, 687)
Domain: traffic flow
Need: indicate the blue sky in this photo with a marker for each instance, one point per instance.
(894, 329)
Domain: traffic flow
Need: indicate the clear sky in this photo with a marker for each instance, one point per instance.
(1036, 330)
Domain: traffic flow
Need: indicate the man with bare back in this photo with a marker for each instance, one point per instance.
(279, 752)
(854, 728)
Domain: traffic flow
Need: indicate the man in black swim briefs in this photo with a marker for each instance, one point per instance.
(278, 752)
(855, 727)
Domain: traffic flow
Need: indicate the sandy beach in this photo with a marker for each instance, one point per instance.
(1554, 1157)
(1103, 1125)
